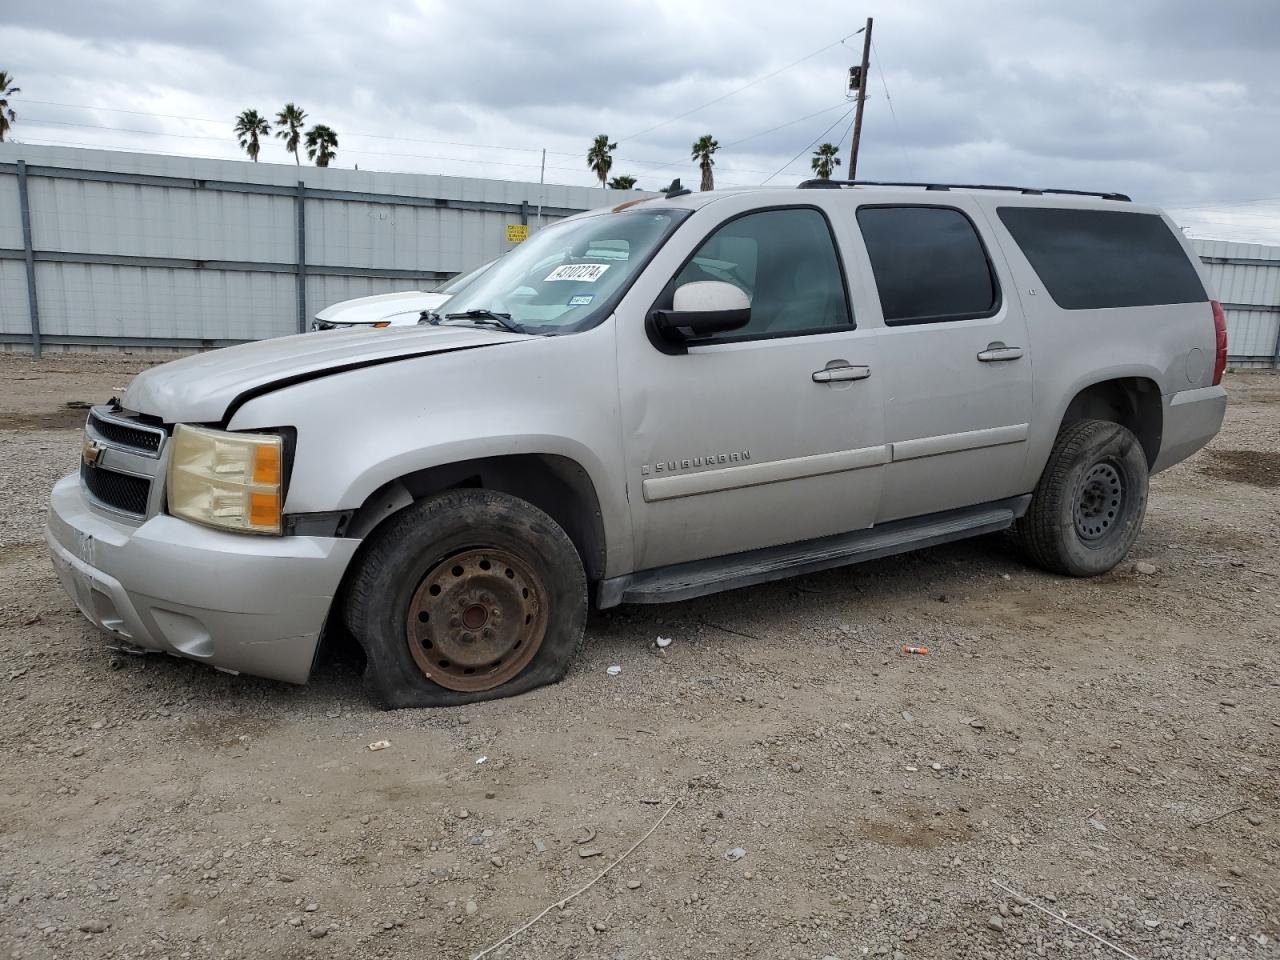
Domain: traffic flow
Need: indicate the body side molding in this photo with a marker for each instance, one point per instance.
(957, 442)
(797, 468)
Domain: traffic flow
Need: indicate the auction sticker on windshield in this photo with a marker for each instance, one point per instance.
(585, 272)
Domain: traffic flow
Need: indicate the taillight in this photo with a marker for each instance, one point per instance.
(1220, 336)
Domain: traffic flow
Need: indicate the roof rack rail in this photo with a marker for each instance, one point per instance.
(1034, 191)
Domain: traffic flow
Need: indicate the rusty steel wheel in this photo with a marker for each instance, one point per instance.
(476, 620)
(467, 595)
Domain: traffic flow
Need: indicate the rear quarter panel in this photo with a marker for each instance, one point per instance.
(1169, 344)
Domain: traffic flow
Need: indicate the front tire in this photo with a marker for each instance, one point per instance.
(468, 595)
(1088, 507)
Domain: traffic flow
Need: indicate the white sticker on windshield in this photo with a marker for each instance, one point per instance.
(584, 272)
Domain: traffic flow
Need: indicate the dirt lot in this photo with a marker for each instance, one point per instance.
(1072, 740)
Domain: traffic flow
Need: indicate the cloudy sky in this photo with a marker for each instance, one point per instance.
(1176, 102)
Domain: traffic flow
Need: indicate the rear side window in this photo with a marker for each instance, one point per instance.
(1089, 259)
(929, 264)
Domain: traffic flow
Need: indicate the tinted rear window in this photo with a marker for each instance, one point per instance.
(1089, 259)
(929, 264)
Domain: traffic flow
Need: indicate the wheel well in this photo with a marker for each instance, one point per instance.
(1132, 402)
(554, 484)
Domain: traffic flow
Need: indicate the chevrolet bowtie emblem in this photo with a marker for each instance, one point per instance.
(92, 451)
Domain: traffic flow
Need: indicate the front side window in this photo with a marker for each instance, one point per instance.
(785, 261)
(1088, 259)
(929, 264)
(566, 277)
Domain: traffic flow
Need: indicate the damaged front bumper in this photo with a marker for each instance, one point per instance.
(241, 603)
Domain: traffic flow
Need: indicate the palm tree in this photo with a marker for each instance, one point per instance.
(600, 157)
(702, 151)
(251, 125)
(322, 145)
(289, 123)
(7, 116)
(825, 161)
(622, 183)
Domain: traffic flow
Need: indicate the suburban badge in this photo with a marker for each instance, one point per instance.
(689, 463)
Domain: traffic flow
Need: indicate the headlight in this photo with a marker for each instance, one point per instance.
(228, 480)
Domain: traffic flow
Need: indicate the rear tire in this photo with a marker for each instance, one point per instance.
(468, 595)
(1088, 507)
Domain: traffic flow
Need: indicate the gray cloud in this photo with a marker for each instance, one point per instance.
(1165, 99)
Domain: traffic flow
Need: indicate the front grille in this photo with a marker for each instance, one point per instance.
(140, 437)
(119, 491)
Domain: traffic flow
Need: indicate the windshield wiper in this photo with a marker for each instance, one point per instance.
(490, 317)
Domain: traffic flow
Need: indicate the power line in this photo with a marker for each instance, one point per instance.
(750, 83)
(893, 113)
(103, 126)
(136, 113)
(198, 136)
(466, 160)
(643, 164)
(650, 168)
(174, 116)
(456, 143)
(844, 136)
(811, 143)
(789, 123)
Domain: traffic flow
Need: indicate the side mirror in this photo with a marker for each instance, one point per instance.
(702, 308)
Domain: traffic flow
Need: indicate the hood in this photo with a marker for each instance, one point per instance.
(381, 307)
(201, 388)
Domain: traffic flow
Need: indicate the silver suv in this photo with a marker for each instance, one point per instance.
(675, 396)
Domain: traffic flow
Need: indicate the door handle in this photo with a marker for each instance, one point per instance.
(833, 374)
(997, 352)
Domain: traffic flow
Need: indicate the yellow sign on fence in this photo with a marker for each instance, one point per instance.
(517, 232)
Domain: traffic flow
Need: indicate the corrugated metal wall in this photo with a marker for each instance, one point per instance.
(13, 273)
(1246, 278)
(185, 251)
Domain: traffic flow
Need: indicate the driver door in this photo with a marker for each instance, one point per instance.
(765, 435)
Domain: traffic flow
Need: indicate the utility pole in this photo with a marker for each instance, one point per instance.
(542, 185)
(862, 99)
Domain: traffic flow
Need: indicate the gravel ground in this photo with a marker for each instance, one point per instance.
(1109, 749)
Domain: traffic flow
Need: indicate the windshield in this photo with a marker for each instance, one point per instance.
(565, 277)
(462, 279)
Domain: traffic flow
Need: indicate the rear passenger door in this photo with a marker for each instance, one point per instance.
(954, 358)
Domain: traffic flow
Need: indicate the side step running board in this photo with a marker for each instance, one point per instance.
(698, 578)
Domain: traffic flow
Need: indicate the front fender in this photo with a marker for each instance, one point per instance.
(362, 429)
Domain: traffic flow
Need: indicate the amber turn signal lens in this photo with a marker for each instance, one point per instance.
(264, 509)
(266, 465)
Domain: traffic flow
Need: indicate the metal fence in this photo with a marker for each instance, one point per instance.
(108, 249)
(1246, 278)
